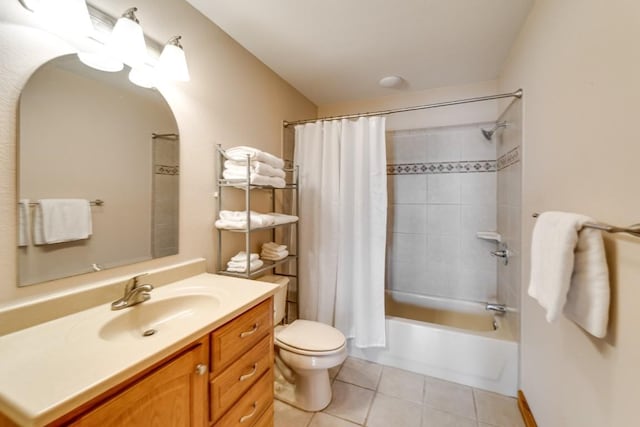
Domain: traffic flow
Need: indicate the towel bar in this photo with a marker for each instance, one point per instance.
(634, 229)
(96, 202)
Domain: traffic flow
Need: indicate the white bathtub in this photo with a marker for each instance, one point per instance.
(452, 340)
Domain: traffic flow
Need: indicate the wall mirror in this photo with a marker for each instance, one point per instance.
(88, 134)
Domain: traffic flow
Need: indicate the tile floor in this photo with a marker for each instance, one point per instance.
(368, 394)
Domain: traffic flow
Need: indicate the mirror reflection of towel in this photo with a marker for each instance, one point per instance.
(61, 220)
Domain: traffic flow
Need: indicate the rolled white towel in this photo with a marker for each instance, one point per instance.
(255, 167)
(241, 267)
(242, 257)
(241, 153)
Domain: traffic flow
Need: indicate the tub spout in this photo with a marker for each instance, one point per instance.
(497, 308)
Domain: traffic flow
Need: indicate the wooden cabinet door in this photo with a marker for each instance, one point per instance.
(175, 395)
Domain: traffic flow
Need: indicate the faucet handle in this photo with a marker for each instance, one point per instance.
(135, 278)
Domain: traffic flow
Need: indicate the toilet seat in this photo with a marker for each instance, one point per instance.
(310, 338)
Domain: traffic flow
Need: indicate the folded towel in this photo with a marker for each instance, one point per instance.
(61, 220)
(23, 222)
(242, 257)
(280, 218)
(274, 256)
(237, 220)
(255, 179)
(241, 153)
(256, 167)
(273, 246)
(568, 266)
(241, 267)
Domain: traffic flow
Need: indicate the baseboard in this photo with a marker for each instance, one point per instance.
(527, 416)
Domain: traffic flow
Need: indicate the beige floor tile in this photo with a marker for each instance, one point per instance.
(350, 402)
(449, 397)
(402, 384)
(497, 410)
(321, 419)
(288, 416)
(434, 418)
(389, 411)
(360, 372)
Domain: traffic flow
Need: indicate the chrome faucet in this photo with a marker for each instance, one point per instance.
(496, 308)
(134, 293)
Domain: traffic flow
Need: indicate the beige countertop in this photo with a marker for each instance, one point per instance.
(49, 369)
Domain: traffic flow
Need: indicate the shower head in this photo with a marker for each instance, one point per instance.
(488, 134)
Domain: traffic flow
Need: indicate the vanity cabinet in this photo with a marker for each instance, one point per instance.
(223, 379)
(241, 387)
(173, 395)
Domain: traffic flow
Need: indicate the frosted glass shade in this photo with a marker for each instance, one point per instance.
(127, 42)
(66, 16)
(143, 76)
(173, 63)
(101, 61)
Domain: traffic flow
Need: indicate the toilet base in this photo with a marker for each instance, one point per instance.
(311, 391)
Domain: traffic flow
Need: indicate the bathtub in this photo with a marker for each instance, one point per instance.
(452, 340)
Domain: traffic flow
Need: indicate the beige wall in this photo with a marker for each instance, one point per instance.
(232, 99)
(579, 64)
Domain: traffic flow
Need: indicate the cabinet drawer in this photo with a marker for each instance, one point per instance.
(266, 420)
(248, 410)
(236, 337)
(227, 387)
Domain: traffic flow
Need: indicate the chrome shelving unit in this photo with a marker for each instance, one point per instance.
(248, 188)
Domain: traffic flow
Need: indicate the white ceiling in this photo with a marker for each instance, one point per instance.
(337, 50)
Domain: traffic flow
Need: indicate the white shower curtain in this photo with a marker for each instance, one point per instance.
(343, 208)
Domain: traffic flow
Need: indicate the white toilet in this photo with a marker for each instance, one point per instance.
(304, 353)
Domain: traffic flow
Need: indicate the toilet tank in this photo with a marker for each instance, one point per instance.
(280, 297)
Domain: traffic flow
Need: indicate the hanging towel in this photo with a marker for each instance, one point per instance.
(23, 222)
(61, 220)
(256, 167)
(569, 271)
(240, 154)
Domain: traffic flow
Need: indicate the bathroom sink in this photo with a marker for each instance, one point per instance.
(159, 317)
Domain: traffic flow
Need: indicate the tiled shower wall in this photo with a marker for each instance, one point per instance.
(165, 197)
(442, 189)
(509, 145)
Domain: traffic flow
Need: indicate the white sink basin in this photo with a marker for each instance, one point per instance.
(153, 318)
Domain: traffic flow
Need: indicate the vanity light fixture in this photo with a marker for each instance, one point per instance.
(126, 42)
(143, 76)
(173, 63)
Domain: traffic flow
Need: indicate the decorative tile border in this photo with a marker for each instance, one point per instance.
(166, 170)
(442, 167)
(509, 158)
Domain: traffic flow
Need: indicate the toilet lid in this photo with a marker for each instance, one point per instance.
(311, 336)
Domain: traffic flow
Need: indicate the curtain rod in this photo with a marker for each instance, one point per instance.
(516, 94)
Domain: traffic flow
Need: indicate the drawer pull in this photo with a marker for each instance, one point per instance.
(246, 417)
(250, 332)
(250, 374)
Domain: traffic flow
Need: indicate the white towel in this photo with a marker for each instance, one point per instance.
(240, 154)
(569, 271)
(61, 220)
(273, 246)
(256, 167)
(280, 218)
(274, 256)
(242, 257)
(237, 220)
(255, 179)
(241, 267)
(23, 222)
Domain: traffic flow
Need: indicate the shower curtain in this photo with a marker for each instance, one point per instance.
(343, 209)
